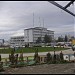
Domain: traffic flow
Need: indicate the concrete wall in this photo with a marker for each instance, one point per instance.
(26, 36)
(30, 35)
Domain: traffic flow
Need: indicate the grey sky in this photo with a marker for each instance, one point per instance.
(15, 16)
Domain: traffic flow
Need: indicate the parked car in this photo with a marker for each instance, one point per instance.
(73, 47)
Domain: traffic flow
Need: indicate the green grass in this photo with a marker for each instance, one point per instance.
(5, 51)
(32, 50)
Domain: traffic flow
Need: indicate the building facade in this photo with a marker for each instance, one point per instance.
(32, 34)
(17, 41)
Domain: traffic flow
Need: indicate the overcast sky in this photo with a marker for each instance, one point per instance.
(15, 16)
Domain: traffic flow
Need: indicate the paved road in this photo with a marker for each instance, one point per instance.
(69, 51)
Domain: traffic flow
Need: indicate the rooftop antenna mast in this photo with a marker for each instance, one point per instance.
(33, 19)
(43, 23)
(39, 22)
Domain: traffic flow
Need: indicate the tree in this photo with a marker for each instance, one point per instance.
(12, 57)
(54, 58)
(60, 39)
(3, 41)
(49, 58)
(47, 39)
(72, 37)
(36, 56)
(61, 56)
(16, 59)
(1, 66)
(9, 58)
(66, 38)
(39, 40)
(0, 57)
(21, 57)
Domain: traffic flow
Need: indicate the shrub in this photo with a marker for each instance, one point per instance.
(1, 66)
(61, 56)
(36, 57)
(54, 58)
(0, 57)
(16, 59)
(12, 57)
(57, 58)
(37, 46)
(49, 57)
(9, 58)
(21, 57)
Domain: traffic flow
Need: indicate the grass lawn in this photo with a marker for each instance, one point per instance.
(32, 50)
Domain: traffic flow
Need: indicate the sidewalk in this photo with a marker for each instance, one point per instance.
(69, 51)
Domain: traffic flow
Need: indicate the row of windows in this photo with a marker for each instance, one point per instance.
(42, 33)
(18, 44)
(17, 40)
(39, 31)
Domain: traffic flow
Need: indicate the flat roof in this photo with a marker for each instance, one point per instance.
(38, 28)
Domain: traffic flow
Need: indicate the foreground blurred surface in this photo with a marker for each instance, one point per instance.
(43, 69)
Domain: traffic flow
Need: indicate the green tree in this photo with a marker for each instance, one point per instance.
(47, 39)
(0, 57)
(72, 37)
(60, 39)
(39, 40)
(49, 58)
(54, 58)
(36, 56)
(66, 38)
(61, 56)
(12, 57)
(21, 57)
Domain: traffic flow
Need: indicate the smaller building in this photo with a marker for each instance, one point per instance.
(17, 41)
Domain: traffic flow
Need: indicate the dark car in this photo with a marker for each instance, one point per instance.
(73, 47)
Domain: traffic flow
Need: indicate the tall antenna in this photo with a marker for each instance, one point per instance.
(39, 22)
(33, 19)
(43, 23)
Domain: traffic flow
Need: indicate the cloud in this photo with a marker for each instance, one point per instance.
(18, 33)
(18, 15)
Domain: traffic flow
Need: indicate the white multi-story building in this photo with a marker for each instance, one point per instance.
(32, 34)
